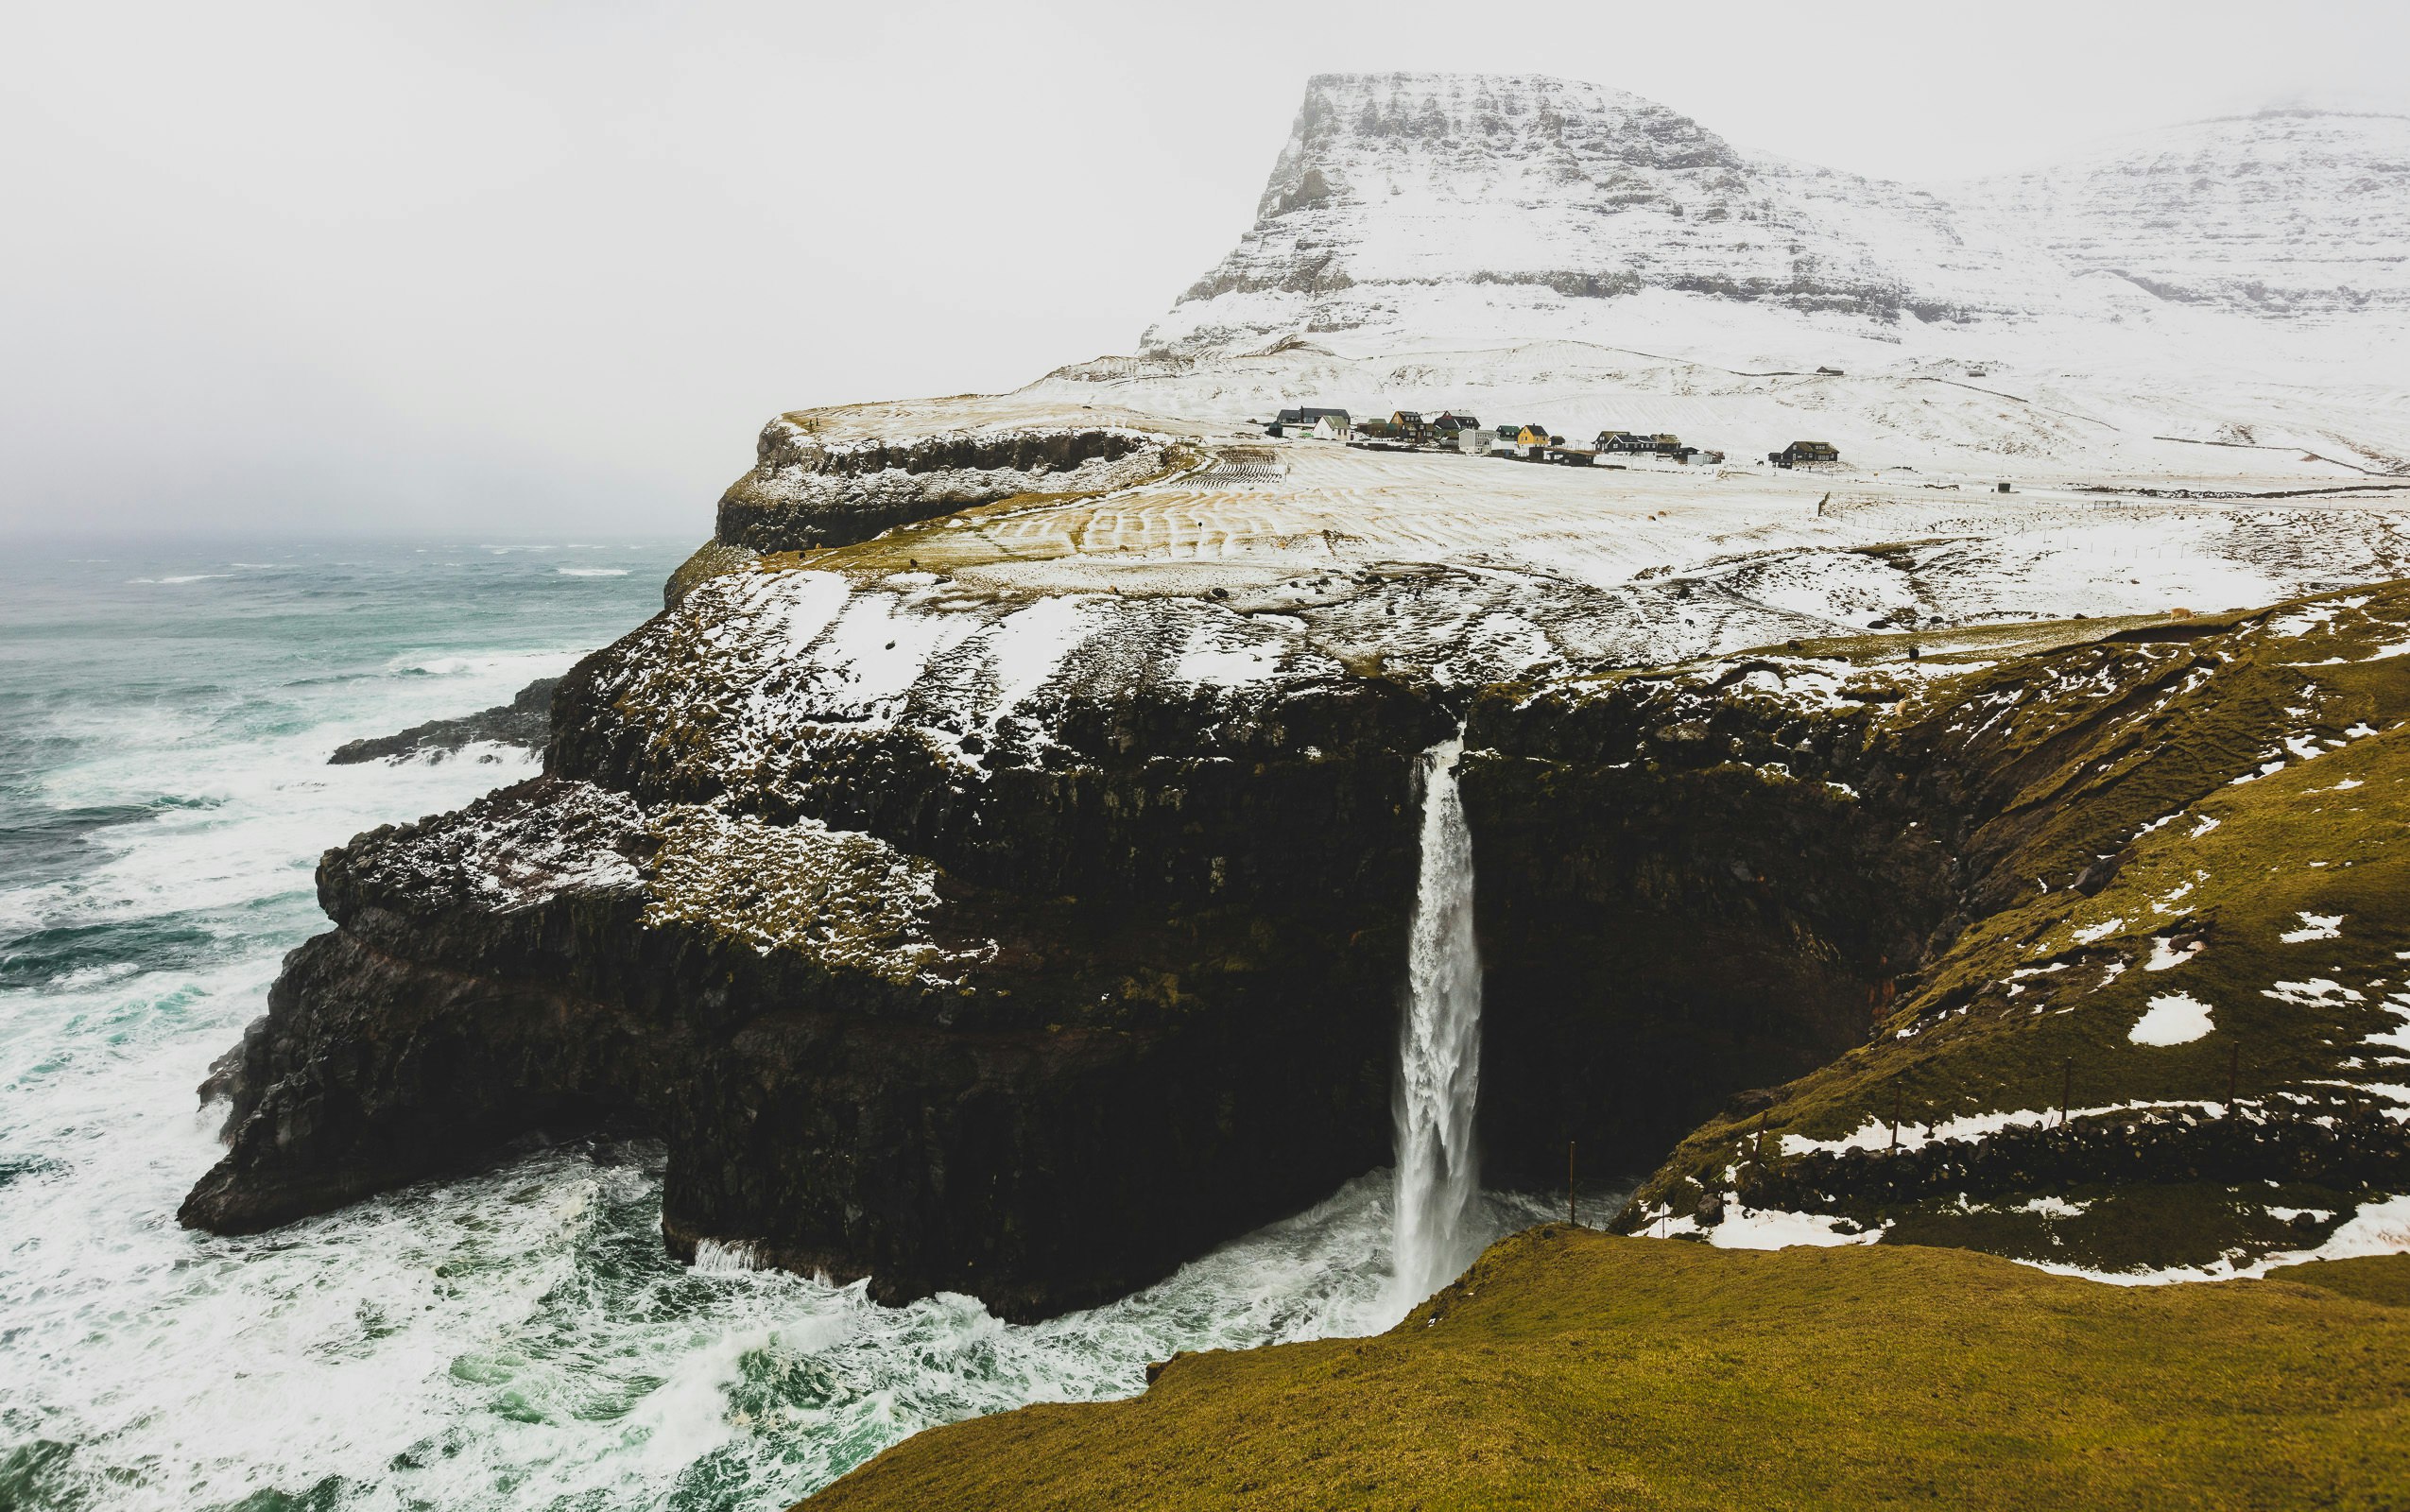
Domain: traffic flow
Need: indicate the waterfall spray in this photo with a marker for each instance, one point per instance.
(1439, 1046)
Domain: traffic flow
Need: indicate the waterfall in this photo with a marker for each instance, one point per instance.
(1439, 1047)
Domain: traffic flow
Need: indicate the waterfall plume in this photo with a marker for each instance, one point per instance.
(1439, 1046)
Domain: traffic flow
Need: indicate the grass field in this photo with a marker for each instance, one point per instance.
(1571, 1368)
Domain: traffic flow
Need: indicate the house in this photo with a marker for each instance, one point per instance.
(1324, 424)
(1531, 437)
(1463, 431)
(1804, 451)
(1409, 425)
(1634, 443)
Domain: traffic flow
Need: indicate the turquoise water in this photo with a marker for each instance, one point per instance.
(512, 1339)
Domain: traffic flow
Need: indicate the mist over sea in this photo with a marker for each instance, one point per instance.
(512, 1338)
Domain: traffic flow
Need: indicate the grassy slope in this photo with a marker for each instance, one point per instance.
(2089, 746)
(1576, 1369)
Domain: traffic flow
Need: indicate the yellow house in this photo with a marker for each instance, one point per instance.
(1533, 436)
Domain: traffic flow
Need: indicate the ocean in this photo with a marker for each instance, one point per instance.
(514, 1337)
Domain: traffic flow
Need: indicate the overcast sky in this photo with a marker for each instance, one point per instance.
(517, 267)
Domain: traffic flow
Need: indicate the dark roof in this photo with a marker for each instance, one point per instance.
(1307, 415)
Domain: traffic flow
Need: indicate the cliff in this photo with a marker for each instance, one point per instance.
(1012, 901)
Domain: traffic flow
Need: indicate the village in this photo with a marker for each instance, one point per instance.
(1407, 430)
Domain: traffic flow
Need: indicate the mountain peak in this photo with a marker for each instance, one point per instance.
(1392, 186)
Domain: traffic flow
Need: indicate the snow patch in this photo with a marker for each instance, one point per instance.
(2164, 957)
(2175, 1019)
(2313, 926)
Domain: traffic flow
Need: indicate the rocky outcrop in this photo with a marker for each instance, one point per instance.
(526, 721)
(817, 482)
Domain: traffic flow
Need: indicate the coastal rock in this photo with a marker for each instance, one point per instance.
(526, 721)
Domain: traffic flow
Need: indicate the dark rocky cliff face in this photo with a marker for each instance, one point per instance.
(1147, 1002)
(1681, 906)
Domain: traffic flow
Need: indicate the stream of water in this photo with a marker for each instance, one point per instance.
(1438, 1083)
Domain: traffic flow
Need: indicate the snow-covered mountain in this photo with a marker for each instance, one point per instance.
(1420, 206)
(1512, 243)
(1415, 202)
(2285, 215)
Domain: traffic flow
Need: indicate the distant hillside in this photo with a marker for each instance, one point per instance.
(2286, 214)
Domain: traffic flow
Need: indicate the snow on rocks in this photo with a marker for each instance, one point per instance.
(846, 899)
(508, 852)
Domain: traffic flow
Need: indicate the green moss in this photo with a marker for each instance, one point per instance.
(2381, 1278)
(1570, 1368)
(713, 558)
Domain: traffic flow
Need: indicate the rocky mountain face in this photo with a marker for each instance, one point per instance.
(1400, 193)
(1433, 207)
